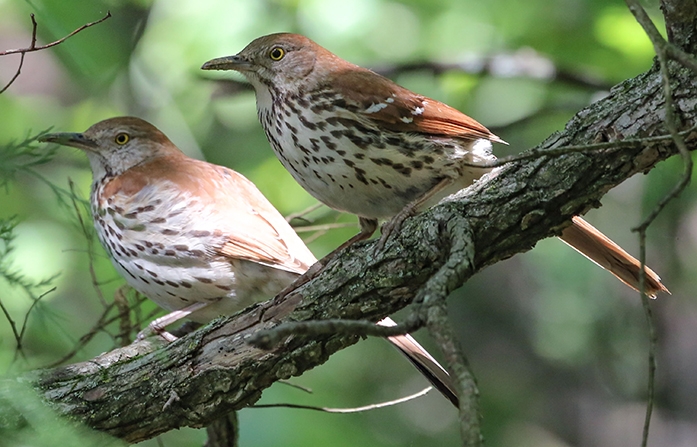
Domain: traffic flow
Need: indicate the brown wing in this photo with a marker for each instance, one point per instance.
(252, 229)
(271, 249)
(398, 109)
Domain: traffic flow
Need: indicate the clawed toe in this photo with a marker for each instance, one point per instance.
(155, 330)
(393, 226)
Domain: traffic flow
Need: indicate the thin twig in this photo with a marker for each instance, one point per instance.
(34, 303)
(322, 229)
(653, 341)
(389, 403)
(90, 243)
(13, 325)
(99, 325)
(123, 338)
(458, 367)
(296, 386)
(301, 214)
(325, 227)
(32, 47)
(318, 230)
(432, 296)
(679, 55)
(659, 45)
(16, 75)
(17, 279)
(661, 50)
(564, 150)
(268, 339)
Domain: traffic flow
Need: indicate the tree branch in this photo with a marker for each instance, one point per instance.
(214, 371)
(32, 46)
(663, 50)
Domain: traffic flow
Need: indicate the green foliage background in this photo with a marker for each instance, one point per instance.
(559, 347)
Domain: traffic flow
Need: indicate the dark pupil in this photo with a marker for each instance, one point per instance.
(276, 54)
(121, 138)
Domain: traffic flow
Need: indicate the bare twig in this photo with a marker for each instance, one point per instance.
(21, 62)
(223, 432)
(33, 47)
(98, 326)
(365, 408)
(321, 230)
(318, 230)
(679, 55)
(301, 214)
(662, 50)
(432, 297)
(34, 303)
(296, 386)
(653, 341)
(564, 150)
(325, 227)
(103, 321)
(87, 232)
(17, 279)
(659, 45)
(458, 366)
(268, 339)
(13, 325)
(123, 338)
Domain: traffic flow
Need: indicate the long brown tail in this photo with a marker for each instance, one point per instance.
(585, 239)
(424, 362)
(597, 247)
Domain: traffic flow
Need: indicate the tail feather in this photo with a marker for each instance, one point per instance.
(597, 247)
(585, 239)
(424, 362)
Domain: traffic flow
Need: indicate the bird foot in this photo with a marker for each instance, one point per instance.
(158, 325)
(154, 329)
(394, 225)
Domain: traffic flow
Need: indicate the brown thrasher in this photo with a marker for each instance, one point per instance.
(360, 143)
(198, 239)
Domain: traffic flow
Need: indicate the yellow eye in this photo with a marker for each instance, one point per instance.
(122, 138)
(277, 53)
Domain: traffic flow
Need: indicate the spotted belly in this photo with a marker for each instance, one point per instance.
(373, 175)
(159, 252)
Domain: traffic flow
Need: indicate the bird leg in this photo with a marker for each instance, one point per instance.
(158, 325)
(395, 224)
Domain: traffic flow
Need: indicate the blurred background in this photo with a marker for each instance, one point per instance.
(559, 347)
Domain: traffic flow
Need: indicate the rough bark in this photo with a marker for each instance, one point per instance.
(214, 371)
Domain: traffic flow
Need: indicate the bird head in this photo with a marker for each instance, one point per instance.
(285, 61)
(115, 145)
